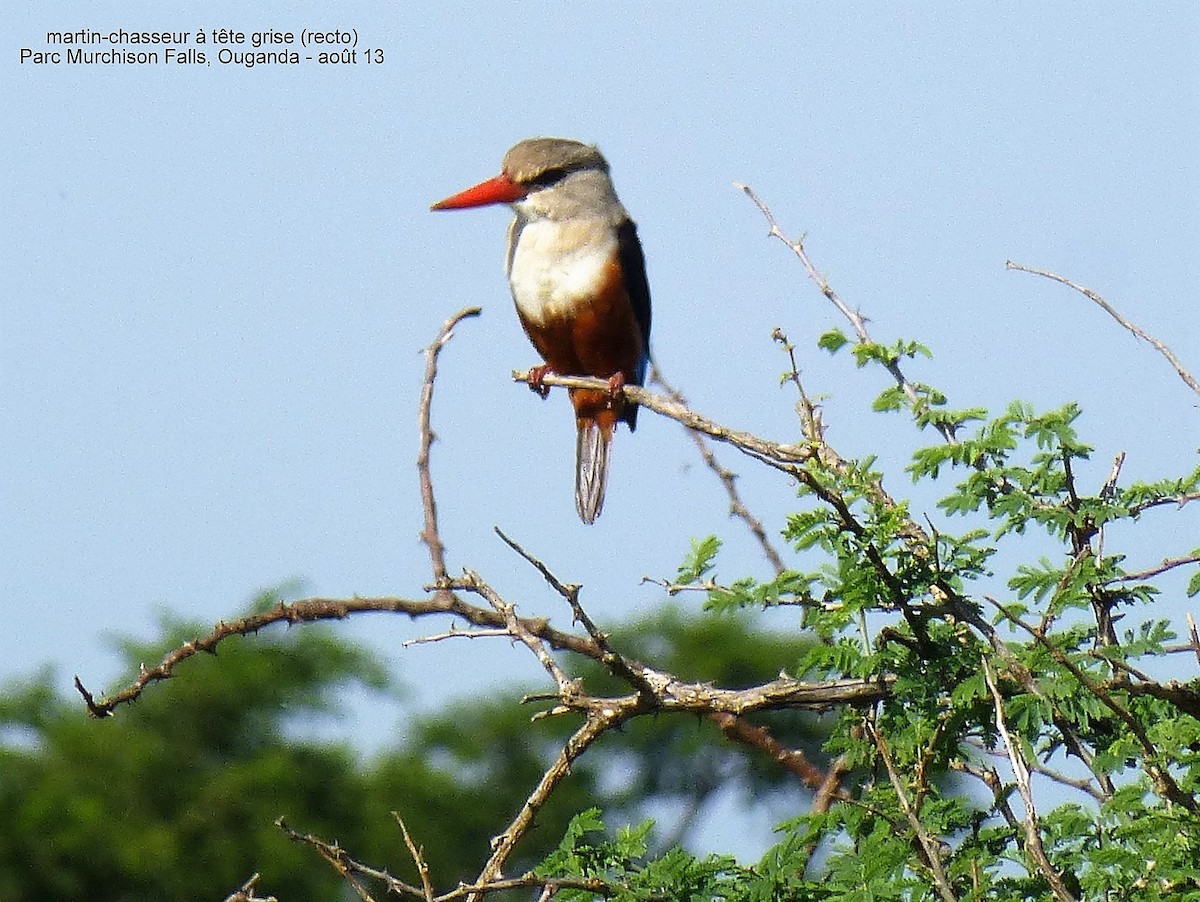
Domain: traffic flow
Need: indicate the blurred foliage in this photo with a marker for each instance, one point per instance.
(176, 796)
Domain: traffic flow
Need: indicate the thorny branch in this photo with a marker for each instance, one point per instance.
(347, 867)
(856, 320)
(312, 610)
(782, 693)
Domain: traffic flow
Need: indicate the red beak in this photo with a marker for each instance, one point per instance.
(499, 190)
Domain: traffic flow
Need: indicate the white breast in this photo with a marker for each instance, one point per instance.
(555, 266)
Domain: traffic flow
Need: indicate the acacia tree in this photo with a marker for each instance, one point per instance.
(995, 731)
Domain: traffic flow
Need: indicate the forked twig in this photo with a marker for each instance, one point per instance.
(418, 857)
(347, 867)
(856, 320)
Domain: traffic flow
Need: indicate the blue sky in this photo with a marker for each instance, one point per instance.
(218, 281)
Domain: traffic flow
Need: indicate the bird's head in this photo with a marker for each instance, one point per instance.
(544, 177)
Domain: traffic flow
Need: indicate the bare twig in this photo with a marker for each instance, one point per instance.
(831, 789)
(347, 867)
(569, 591)
(612, 661)
(1177, 500)
(600, 719)
(1110, 484)
(810, 415)
(1169, 564)
(418, 858)
(1113, 312)
(793, 760)
(728, 479)
(456, 634)
(1033, 836)
(245, 893)
(472, 582)
(708, 586)
(350, 870)
(430, 535)
(989, 778)
(1193, 635)
(856, 320)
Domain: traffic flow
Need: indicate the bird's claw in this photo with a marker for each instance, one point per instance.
(616, 387)
(536, 379)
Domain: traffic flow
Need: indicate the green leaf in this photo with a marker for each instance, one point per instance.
(699, 561)
(833, 341)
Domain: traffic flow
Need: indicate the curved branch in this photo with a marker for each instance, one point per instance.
(1112, 311)
(315, 609)
(430, 535)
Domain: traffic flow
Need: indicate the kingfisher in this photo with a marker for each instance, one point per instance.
(578, 279)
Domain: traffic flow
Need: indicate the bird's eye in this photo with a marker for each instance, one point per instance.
(547, 178)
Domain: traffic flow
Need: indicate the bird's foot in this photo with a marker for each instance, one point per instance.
(616, 387)
(536, 379)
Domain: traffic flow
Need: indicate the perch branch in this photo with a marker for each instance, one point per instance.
(781, 456)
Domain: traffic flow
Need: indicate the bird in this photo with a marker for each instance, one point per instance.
(578, 279)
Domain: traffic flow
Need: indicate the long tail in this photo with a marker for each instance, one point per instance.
(592, 444)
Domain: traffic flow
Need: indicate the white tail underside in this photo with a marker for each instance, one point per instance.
(591, 469)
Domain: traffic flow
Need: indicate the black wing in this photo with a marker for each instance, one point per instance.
(633, 266)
